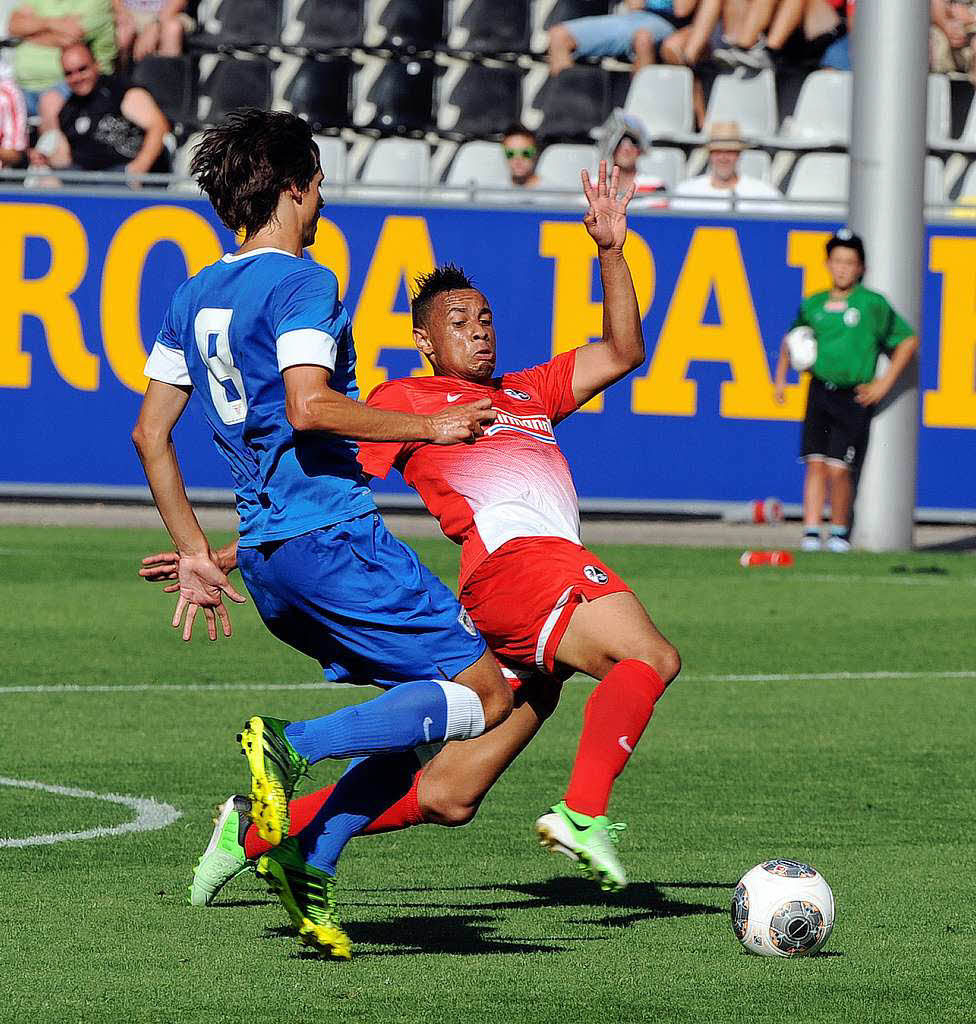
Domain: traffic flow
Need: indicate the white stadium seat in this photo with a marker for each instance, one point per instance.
(664, 163)
(821, 176)
(560, 165)
(751, 101)
(660, 96)
(822, 116)
(396, 162)
(332, 154)
(479, 163)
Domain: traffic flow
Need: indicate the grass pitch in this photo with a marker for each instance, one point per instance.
(870, 779)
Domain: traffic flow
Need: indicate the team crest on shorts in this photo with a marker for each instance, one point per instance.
(595, 574)
(466, 623)
(515, 393)
(852, 317)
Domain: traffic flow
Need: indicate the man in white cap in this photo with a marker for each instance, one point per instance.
(623, 140)
(722, 180)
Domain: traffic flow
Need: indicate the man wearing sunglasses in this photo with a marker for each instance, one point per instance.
(522, 154)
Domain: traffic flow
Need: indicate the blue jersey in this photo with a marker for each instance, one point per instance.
(230, 332)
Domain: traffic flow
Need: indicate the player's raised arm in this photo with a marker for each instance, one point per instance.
(310, 404)
(202, 584)
(600, 364)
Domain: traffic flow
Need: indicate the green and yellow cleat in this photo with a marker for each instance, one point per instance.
(224, 857)
(590, 842)
(276, 768)
(308, 895)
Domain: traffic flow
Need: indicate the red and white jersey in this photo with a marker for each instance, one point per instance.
(513, 482)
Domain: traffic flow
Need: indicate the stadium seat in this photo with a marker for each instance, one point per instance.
(934, 181)
(400, 97)
(939, 112)
(181, 165)
(330, 24)
(479, 163)
(751, 101)
(664, 163)
(967, 190)
(407, 25)
(573, 103)
(249, 23)
(546, 13)
(560, 165)
(489, 27)
(822, 116)
(481, 100)
(320, 91)
(755, 163)
(396, 162)
(660, 96)
(332, 156)
(235, 82)
(820, 176)
(171, 82)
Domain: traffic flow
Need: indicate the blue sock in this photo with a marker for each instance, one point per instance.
(840, 531)
(369, 786)
(406, 716)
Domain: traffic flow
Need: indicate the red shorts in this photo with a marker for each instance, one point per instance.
(524, 594)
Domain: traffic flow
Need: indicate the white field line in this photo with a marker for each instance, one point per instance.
(760, 677)
(150, 814)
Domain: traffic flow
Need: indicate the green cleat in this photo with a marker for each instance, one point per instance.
(591, 842)
(224, 858)
(308, 895)
(276, 768)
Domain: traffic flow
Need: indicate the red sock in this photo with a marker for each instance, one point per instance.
(402, 814)
(616, 714)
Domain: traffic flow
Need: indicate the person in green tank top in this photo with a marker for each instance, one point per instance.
(852, 326)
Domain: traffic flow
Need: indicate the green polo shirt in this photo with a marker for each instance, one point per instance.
(39, 67)
(850, 333)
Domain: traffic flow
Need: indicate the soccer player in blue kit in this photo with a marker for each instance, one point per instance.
(263, 340)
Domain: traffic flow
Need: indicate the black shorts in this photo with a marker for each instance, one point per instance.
(835, 428)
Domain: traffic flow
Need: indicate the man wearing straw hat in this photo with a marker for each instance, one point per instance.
(723, 180)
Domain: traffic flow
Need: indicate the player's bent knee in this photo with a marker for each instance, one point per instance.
(497, 705)
(664, 659)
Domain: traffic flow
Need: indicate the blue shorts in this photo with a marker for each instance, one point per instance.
(360, 602)
(612, 35)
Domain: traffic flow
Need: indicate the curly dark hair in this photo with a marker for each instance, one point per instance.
(246, 161)
(445, 278)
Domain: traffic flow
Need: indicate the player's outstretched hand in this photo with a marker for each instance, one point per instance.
(203, 585)
(164, 565)
(459, 423)
(606, 217)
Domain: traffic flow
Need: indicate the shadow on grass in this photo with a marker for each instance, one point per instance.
(639, 901)
(457, 934)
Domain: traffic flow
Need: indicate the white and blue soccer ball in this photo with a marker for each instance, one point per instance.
(782, 908)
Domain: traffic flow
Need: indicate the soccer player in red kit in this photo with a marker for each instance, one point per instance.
(545, 604)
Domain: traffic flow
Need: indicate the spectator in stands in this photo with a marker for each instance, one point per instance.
(13, 119)
(105, 125)
(147, 27)
(723, 180)
(951, 37)
(45, 28)
(623, 140)
(634, 35)
(758, 33)
(522, 154)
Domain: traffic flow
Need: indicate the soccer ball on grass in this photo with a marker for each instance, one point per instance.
(782, 908)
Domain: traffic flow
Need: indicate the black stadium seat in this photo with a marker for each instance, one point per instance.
(413, 26)
(567, 10)
(235, 82)
(497, 26)
(249, 23)
(331, 24)
(403, 95)
(320, 91)
(170, 81)
(489, 100)
(573, 102)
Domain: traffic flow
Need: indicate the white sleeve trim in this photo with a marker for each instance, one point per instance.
(167, 365)
(306, 346)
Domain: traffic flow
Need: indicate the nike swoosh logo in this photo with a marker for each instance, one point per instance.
(622, 740)
(453, 398)
(428, 722)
